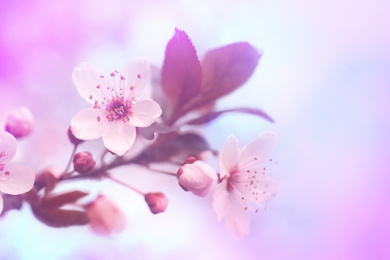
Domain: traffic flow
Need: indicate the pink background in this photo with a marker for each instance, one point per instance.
(324, 78)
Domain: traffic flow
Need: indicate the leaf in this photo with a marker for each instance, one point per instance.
(173, 145)
(227, 68)
(181, 73)
(62, 199)
(190, 143)
(213, 115)
(56, 217)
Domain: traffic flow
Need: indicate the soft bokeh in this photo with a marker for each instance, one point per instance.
(324, 78)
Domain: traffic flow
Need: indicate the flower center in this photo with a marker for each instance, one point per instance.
(252, 183)
(116, 106)
(118, 109)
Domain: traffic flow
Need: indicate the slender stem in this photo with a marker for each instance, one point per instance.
(124, 184)
(71, 157)
(161, 171)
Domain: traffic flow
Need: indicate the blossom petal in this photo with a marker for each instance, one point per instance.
(7, 147)
(259, 148)
(237, 218)
(207, 169)
(118, 137)
(89, 124)
(145, 112)
(219, 201)
(136, 74)
(229, 156)
(87, 77)
(20, 180)
(1, 203)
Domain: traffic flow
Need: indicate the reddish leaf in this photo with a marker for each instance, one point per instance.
(211, 116)
(174, 145)
(56, 217)
(190, 144)
(181, 72)
(62, 199)
(227, 68)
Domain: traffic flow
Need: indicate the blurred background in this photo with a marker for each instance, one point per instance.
(324, 77)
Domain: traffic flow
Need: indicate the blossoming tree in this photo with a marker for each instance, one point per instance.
(183, 97)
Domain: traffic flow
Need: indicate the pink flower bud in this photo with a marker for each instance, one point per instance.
(104, 216)
(73, 139)
(197, 177)
(157, 202)
(20, 122)
(83, 162)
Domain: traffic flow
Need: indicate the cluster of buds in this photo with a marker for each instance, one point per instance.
(118, 114)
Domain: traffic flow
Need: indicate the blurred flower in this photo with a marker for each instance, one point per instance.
(104, 216)
(116, 110)
(14, 179)
(20, 122)
(244, 182)
(197, 177)
(83, 162)
(157, 202)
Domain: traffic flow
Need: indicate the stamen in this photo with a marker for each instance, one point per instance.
(139, 76)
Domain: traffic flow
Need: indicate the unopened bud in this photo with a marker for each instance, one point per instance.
(196, 177)
(73, 139)
(104, 216)
(157, 202)
(83, 162)
(20, 122)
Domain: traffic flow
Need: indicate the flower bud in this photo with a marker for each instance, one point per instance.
(20, 122)
(104, 216)
(197, 177)
(73, 139)
(83, 162)
(157, 202)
